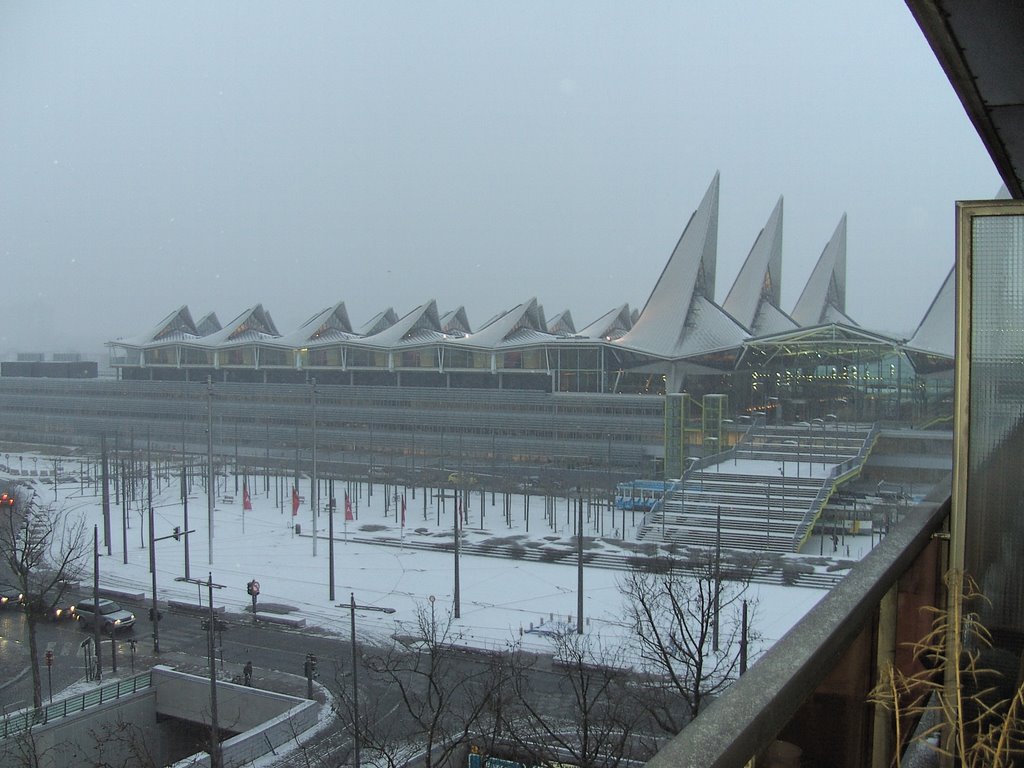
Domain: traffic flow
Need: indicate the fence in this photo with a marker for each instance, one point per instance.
(23, 721)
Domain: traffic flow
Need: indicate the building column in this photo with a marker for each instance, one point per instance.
(883, 732)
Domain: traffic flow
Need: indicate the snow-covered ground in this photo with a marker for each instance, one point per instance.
(502, 599)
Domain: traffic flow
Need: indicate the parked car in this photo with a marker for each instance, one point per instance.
(9, 596)
(108, 614)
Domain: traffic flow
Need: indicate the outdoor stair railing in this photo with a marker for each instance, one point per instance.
(841, 471)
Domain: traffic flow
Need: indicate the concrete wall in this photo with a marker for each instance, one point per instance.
(262, 720)
(239, 708)
(83, 738)
(246, 747)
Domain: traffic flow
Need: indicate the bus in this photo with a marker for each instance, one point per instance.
(641, 495)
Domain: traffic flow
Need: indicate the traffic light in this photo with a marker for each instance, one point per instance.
(177, 533)
(158, 615)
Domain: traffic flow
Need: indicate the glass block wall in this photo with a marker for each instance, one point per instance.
(990, 461)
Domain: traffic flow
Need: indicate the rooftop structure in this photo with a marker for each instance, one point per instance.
(681, 340)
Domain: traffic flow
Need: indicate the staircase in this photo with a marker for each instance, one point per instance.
(766, 493)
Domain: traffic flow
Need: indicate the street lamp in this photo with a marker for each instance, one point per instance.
(352, 607)
(314, 481)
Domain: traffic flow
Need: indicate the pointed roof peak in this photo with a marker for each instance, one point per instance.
(824, 295)
(759, 281)
(688, 276)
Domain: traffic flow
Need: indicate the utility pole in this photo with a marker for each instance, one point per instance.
(718, 576)
(124, 516)
(215, 755)
(184, 502)
(579, 565)
(155, 615)
(210, 625)
(352, 607)
(313, 485)
(96, 599)
(458, 536)
(210, 490)
(331, 504)
(106, 493)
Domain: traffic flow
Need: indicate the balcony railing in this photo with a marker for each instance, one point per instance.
(762, 705)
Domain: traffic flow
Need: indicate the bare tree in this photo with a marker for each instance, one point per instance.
(444, 694)
(44, 550)
(121, 744)
(589, 719)
(675, 613)
(382, 727)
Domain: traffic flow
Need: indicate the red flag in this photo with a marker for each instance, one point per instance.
(295, 501)
(403, 511)
(246, 501)
(348, 508)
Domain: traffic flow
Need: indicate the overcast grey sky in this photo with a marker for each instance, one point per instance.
(223, 154)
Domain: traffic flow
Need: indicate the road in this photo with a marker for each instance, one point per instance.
(269, 647)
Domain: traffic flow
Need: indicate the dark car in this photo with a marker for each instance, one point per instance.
(44, 607)
(9, 596)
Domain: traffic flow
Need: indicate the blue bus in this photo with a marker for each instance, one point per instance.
(640, 495)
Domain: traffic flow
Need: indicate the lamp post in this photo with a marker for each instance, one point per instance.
(718, 576)
(579, 565)
(313, 485)
(210, 625)
(210, 490)
(664, 492)
(352, 608)
(782, 498)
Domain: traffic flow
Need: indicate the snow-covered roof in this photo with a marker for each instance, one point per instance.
(756, 296)
(680, 320)
(611, 325)
(935, 334)
(253, 325)
(662, 327)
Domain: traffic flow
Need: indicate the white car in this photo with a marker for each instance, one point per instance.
(108, 614)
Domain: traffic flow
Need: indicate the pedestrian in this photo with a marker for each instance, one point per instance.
(247, 672)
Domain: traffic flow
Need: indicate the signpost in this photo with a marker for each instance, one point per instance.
(49, 673)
